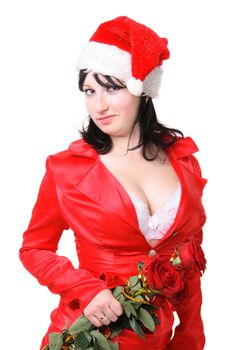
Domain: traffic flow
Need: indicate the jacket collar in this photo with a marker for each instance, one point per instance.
(183, 147)
(82, 149)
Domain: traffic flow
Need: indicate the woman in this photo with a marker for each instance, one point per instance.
(130, 189)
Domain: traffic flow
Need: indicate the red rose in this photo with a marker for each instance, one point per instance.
(192, 255)
(161, 275)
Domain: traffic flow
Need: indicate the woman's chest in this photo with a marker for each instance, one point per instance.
(150, 182)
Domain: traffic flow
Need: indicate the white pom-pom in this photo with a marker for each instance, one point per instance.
(135, 86)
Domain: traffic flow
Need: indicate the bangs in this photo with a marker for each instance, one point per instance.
(107, 80)
(102, 79)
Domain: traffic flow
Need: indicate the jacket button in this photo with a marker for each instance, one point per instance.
(152, 252)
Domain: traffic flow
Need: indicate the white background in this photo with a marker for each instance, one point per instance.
(41, 109)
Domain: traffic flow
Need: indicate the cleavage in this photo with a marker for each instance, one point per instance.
(147, 207)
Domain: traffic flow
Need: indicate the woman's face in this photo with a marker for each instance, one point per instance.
(112, 109)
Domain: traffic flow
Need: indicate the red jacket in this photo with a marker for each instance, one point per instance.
(80, 193)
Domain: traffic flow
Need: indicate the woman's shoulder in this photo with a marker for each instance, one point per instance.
(75, 161)
(183, 150)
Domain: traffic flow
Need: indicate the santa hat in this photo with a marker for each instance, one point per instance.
(129, 51)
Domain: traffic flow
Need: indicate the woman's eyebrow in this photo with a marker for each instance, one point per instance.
(86, 85)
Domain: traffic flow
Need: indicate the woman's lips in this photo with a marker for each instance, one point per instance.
(106, 120)
(107, 116)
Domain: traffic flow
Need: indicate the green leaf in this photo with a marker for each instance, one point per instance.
(81, 324)
(114, 346)
(117, 291)
(140, 265)
(95, 345)
(100, 340)
(139, 297)
(136, 327)
(133, 280)
(137, 287)
(55, 341)
(135, 304)
(120, 298)
(176, 261)
(83, 340)
(146, 319)
(129, 309)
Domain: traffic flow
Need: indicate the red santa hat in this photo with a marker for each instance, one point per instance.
(129, 51)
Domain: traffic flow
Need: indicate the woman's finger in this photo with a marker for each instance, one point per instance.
(109, 314)
(116, 307)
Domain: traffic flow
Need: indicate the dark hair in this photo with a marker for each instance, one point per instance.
(151, 131)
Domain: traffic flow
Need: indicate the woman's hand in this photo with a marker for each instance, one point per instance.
(103, 309)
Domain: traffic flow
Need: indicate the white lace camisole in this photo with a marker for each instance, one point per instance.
(155, 226)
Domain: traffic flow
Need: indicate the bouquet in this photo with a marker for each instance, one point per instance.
(140, 297)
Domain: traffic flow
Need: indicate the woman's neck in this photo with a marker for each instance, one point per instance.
(122, 143)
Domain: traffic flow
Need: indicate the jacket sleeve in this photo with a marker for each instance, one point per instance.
(189, 334)
(38, 252)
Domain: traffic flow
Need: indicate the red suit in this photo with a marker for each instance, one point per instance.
(80, 193)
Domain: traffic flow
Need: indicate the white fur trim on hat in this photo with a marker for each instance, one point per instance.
(110, 60)
(105, 59)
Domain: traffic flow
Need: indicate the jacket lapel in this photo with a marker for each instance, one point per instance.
(191, 184)
(102, 187)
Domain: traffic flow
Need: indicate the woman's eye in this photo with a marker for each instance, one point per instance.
(112, 88)
(89, 92)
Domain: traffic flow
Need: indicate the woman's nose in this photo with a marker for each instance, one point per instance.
(101, 103)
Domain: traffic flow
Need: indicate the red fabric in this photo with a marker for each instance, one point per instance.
(189, 334)
(192, 255)
(146, 48)
(79, 192)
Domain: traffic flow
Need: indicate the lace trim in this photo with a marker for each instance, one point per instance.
(155, 226)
